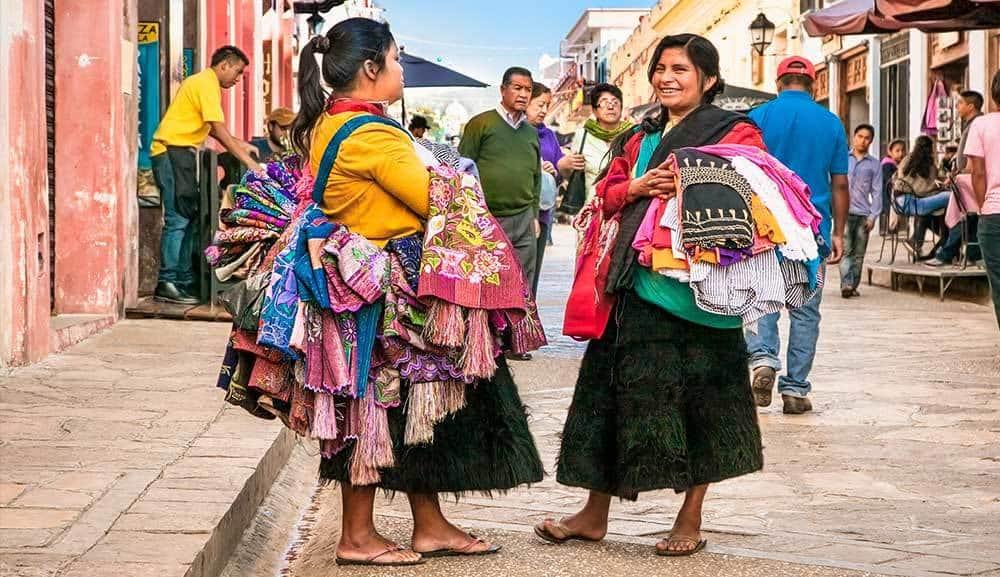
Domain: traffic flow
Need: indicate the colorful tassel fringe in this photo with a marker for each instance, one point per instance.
(444, 325)
(373, 450)
(477, 358)
(429, 404)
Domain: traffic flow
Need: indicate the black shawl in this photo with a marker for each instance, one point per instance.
(705, 125)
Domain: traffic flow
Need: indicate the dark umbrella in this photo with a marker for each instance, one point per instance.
(849, 17)
(420, 73)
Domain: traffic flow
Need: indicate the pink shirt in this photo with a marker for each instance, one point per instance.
(984, 142)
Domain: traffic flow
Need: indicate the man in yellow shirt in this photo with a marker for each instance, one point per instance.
(193, 114)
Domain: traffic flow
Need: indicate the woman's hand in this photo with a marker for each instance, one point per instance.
(571, 162)
(656, 182)
(549, 167)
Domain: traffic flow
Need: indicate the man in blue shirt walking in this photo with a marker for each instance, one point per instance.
(864, 178)
(811, 141)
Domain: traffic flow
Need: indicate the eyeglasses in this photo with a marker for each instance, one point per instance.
(609, 104)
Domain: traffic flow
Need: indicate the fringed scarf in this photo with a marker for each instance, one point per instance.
(469, 263)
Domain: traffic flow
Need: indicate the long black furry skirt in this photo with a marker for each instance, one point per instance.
(485, 447)
(660, 403)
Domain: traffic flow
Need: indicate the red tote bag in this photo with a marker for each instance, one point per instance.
(589, 307)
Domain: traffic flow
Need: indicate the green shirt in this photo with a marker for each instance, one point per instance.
(677, 298)
(509, 162)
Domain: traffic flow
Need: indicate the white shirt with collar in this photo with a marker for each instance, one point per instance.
(514, 121)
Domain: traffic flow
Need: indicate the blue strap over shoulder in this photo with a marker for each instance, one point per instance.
(333, 148)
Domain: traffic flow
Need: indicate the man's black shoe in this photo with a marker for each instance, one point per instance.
(169, 293)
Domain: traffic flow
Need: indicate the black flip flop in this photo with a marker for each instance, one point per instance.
(371, 561)
(463, 551)
(683, 553)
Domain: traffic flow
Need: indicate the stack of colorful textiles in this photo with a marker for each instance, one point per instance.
(345, 325)
(259, 209)
(741, 231)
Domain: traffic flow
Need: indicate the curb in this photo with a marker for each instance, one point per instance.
(225, 537)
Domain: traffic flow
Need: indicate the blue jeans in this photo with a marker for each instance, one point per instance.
(178, 231)
(765, 346)
(989, 240)
(855, 247)
(914, 206)
(950, 249)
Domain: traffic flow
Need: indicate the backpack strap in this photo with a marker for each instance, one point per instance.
(333, 148)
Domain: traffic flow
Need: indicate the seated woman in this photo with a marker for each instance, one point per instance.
(917, 189)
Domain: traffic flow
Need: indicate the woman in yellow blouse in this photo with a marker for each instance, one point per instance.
(378, 187)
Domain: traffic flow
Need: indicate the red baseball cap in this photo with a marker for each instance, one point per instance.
(796, 65)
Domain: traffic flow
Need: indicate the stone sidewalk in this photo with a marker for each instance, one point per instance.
(119, 457)
(895, 472)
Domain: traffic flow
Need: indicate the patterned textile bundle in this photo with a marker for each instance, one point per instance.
(468, 263)
(261, 208)
(345, 324)
(741, 231)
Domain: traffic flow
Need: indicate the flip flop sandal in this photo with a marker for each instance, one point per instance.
(372, 561)
(547, 535)
(464, 550)
(699, 545)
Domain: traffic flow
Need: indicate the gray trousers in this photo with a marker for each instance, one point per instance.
(520, 229)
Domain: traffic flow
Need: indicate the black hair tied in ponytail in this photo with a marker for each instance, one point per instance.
(344, 49)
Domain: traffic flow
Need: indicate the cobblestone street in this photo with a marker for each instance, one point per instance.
(118, 457)
(894, 473)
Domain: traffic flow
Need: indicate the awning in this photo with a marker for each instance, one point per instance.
(916, 10)
(849, 17)
(735, 98)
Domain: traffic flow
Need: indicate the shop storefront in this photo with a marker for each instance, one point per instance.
(821, 89)
(894, 78)
(853, 107)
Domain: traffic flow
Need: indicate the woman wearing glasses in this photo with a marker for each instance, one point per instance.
(589, 150)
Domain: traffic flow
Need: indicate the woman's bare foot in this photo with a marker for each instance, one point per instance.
(684, 537)
(582, 525)
(365, 548)
(444, 537)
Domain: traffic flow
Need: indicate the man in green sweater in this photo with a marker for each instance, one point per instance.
(505, 147)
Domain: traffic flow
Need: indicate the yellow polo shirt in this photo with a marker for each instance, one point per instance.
(186, 123)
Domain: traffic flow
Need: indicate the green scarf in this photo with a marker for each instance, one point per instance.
(594, 129)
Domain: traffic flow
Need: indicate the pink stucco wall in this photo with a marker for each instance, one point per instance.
(24, 273)
(96, 213)
(96, 210)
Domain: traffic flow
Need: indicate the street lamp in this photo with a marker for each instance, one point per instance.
(761, 33)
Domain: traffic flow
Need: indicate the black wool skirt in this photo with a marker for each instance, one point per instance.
(660, 403)
(485, 447)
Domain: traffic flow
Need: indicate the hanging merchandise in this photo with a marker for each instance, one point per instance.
(346, 327)
(741, 233)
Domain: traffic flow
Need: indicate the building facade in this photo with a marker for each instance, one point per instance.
(587, 50)
(83, 84)
(884, 80)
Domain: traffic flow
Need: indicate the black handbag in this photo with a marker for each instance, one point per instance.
(575, 195)
(244, 300)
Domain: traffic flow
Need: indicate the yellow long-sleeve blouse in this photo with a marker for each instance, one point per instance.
(378, 186)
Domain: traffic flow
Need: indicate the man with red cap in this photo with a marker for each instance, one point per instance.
(810, 140)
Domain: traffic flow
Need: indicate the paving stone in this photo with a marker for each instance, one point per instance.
(945, 565)
(12, 538)
(168, 520)
(10, 491)
(87, 481)
(43, 497)
(28, 564)
(24, 518)
(140, 547)
(856, 553)
(93, 569)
